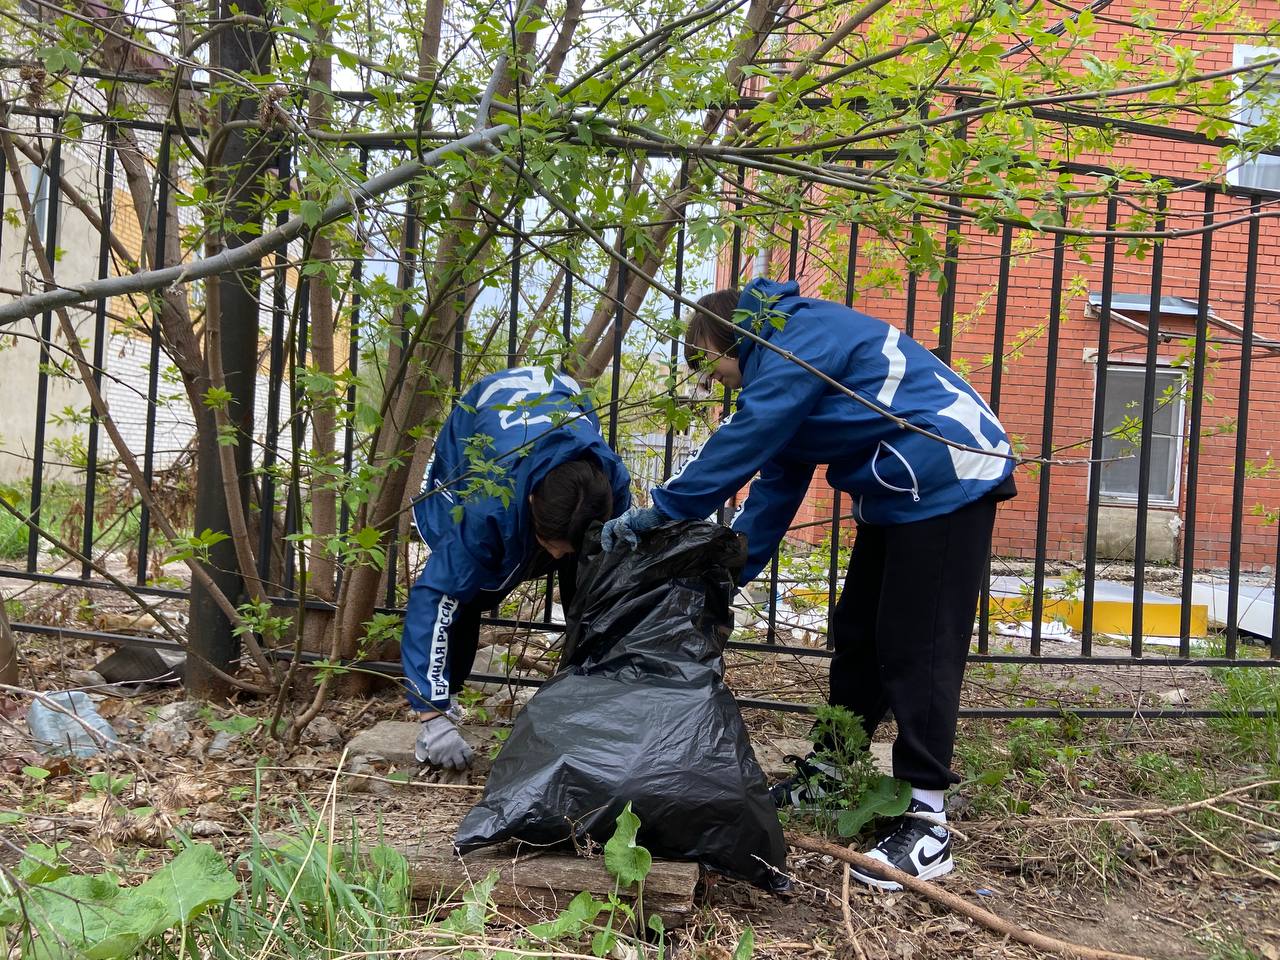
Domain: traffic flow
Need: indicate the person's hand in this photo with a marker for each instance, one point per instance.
(441, 745)
(628, 527)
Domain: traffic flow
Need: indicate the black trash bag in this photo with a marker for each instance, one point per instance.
(640, 713)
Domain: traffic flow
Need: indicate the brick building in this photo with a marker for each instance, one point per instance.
(1021, 307)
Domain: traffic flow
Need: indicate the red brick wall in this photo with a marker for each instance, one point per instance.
(1026, 372)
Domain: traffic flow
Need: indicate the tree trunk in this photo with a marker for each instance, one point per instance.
(324, 499)
(8, 650)
(235, 176)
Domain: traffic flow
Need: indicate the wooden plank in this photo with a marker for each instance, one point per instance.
(538, 885)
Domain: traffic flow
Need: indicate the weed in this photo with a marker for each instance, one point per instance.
(1245, 689)
(865, 792)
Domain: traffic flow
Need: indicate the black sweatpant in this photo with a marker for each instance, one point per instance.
(901, 633)
(464, 638)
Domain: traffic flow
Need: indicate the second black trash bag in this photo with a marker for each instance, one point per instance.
(640, 713)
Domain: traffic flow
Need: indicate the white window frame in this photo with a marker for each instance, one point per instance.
(1177, 450)
(1264, 167)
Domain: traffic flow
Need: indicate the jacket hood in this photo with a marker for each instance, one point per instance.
(760, 298)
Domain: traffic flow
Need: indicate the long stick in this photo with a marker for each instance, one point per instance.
(956, 904)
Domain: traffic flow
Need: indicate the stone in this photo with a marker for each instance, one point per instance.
(393, 741)
(324, 733)
(168, 737)
(221, 743)
(206, 828)
(179, 710)
(1175, 697)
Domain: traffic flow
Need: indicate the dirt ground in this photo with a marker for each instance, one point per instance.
(1173, 882)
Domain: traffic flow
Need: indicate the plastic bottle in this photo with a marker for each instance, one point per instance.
(55, 733)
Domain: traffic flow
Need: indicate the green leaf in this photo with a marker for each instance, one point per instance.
(237, 724)
(194, 880)
(41, 864)
(887, 798)
(469, 919)
(623, 857)
(573, 921)
(746, 945)
(36, 773)
(91, 917)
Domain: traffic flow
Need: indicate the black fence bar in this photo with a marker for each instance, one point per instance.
(1099, 425)
(993, 400)
(913, 282)
(513, 314)
(153, 363)
(669, 441)
(1151, 365)
(99, 353)
(275, 381)
(619, 317)
(1197, 424)
(833, 567)
(52, 177)
(1046, 441)
(1242, 430)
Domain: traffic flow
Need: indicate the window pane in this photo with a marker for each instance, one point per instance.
(1122, 415)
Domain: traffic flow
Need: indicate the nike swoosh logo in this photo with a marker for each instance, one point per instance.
(926, 861)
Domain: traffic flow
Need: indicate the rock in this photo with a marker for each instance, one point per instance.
(206, 828)
(86, 679)
(168, 737)
(1175, 697)
(393, 741)
(324, 733)
(179, 710)
(221, 743)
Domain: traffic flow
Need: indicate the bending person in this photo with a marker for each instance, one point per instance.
(519, 473)
(924, 512)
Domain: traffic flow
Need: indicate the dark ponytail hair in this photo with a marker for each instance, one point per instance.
(703, 332)
(569, 499)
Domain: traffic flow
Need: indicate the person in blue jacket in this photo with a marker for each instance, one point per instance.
(519, 473)
(924, 511)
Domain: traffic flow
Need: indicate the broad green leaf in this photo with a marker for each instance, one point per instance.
(91, 917)
(888, 798)
(626, 860)
(580, 914)
(41, 864)
(195, 879)
(469, 919)
(746, 945)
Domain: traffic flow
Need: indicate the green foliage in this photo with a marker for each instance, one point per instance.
(96, 918)
(1244, 690)
(629, 862)
(865, 793)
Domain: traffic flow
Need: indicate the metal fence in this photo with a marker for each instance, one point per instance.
(1242, 214)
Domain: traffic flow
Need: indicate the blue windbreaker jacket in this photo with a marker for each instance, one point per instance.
(505, 434)
(787, 421)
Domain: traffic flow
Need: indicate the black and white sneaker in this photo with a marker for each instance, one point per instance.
(914, 846)
(805, 789)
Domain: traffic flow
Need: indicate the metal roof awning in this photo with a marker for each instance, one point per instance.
(1141, 303)
(1125, 304)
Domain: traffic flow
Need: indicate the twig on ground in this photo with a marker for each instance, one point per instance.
(847, 912)
(1151, 813)
(1261, 871)
(957, 904)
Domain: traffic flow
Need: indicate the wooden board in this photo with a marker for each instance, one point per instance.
(538, 885)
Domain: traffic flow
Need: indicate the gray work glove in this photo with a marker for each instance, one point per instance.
(441, 745)
(628, 527)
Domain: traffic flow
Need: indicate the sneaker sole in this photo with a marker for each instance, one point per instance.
(931, 872)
